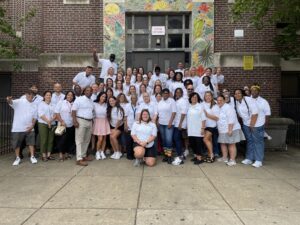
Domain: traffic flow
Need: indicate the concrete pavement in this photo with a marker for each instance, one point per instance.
(113, 192)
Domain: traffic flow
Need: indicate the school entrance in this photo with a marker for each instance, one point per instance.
(158, 38)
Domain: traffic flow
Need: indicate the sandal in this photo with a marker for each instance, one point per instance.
(210, 160)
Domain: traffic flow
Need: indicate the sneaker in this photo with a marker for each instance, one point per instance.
(231, 163)
(113, 156)
(17, 161)
(247, 162)
(118, 155)
(137, 162)
(98, 155)
(225, 160)
(103, 156)
(33, 160)
(186, 153)
(257, 164)
(177, 161)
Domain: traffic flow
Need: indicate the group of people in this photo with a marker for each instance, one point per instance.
(142, 114)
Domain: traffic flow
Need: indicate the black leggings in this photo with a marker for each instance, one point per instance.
(66, 142)
(196, 144)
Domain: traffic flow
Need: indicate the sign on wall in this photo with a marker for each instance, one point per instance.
(248, 62)
(158, 30)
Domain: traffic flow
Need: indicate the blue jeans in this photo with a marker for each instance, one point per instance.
(166, 135)
(255, 143)
(177, 138)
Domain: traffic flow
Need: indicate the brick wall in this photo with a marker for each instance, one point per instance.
(253, 41)
(269, 79)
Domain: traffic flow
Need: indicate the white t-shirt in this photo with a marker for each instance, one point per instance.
(110, 77)
(213, 80)
(143, 131)
(46, 110)
(215, 111)
(37, 99)
(151, 106)
(176, 85)
(55, 99)
(246, 109)
(162, 77)
(165, 108)
(264, 110)
(195, 116)
(64, 108)
(131, 112)
(182, 106)
(94, 96)
(105, 65)
(116, 115)
(24, 113)
(84, 81)
(84, 107)
(218, 78)
(100, 110)
(227, 116)
(201, 89)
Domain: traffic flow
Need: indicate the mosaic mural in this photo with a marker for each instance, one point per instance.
(202, 26)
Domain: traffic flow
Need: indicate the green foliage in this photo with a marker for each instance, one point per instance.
(264, 12)
(10, 43)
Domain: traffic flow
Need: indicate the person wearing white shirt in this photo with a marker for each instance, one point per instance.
(110, 74)
(180, 68)
(84, 79)
(101, 126)
(166, 110)
(258, 131)
(36, 97)
(193, 76)
(179, 124)
(149, 105)
(143, 134)
(82, 114)
(158, 76)
(95, 88)
(46, 122)
(229, 130)
(57, 95)
(170, 80)
(206, 86)
(208, 73)
(211, 131)
(177, 83)
(131, 115)
(218, 77)
(63, 111)
(156, 90)
(105, 64)
(25, 114)
(127, 84)
(115, 115)
(118, 89)
(195, 127)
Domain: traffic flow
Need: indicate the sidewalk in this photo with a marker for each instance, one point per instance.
(113, 192)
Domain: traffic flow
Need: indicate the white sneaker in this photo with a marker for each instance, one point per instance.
(177, 161)
(247, 162)
(137, 162)
(113, 156)
(225, 160)
(186, 153)
(231, 163)
(33, 160)
(98, 156)
(103, 156)
(257, 164)
(17, 161)
(118, 155)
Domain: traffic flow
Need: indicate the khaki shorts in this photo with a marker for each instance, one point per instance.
(19, 137)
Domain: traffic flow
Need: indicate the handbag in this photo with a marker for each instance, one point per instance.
(60, 130)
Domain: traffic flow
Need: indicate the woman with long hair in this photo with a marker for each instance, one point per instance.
(118, 88)
(206, 86)
(101, 126)
(115, 116)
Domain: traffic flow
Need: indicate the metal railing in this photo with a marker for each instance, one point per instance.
(6, 115)
(290, 108)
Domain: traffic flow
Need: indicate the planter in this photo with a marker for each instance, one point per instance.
(277, 129)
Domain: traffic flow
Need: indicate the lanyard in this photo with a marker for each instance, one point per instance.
(134, 110)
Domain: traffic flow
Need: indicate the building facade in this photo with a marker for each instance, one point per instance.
(140, 33)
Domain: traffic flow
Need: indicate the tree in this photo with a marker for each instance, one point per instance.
(10, 44)
(284, 13)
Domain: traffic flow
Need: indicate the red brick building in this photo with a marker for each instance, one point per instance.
(66, 31)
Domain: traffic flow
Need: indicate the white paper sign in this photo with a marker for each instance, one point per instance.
(158, 30)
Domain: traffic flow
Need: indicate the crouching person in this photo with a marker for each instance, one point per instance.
(143, 133)
(25, 114)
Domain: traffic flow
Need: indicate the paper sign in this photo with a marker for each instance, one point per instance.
(158, 30)
(248, 62)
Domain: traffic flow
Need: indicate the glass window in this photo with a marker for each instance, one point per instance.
(175, 22)
(141, 40)
(187, 21)
(128, 42)
(129, 22)
(175, 41)
(158, 21)
(187, 41)
(157, 41)
(141, 22)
